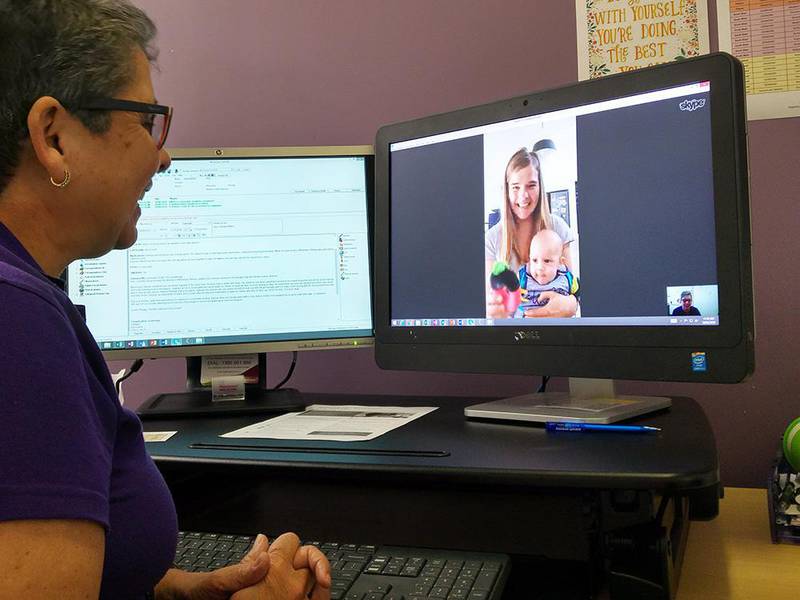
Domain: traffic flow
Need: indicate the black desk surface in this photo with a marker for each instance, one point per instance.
(446, 445)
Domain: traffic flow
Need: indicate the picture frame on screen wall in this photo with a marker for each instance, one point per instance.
(559, 204)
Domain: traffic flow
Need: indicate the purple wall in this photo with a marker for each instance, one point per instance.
(311, 72)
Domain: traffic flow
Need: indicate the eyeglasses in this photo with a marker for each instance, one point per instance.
(158, 117)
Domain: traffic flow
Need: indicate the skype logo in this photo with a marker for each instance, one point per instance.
(693, 104)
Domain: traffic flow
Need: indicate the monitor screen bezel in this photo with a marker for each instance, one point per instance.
(311, 343)
(464, 348)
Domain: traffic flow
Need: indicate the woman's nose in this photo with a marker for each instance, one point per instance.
(164, 160)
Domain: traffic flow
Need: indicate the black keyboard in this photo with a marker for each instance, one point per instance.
(370, 572)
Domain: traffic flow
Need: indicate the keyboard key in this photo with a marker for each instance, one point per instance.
(355, 556)
(468, 573)
(485, 580)
(377, 565)
(449, 572)
(464, 581)
(241, 547)
(422, 587)
(349, 576)
(399, 561)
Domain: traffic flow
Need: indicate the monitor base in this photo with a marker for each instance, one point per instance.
(588, 401)
(199, 404)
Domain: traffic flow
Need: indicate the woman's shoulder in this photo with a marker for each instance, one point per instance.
(23, 279)
(30, 291)
(495, 230)
(492, 236)
(561, 227)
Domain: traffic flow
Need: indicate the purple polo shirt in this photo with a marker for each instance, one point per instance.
(69, 450)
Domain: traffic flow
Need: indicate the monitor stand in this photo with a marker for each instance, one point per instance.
(588, 401)
(197, 401)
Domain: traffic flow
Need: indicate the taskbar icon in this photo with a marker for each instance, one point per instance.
(462, 322)
(151, 343)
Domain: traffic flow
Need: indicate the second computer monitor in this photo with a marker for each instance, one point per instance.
(239, 251)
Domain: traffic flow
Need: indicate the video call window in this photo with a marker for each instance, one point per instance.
(626, 191)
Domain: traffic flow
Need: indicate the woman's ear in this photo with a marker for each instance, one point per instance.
(47, 121)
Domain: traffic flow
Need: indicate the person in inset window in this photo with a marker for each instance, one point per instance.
(686, 309)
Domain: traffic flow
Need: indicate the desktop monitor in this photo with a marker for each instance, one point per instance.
(644, 178)
(240, 251)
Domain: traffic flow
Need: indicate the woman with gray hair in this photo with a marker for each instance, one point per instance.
(84, 513)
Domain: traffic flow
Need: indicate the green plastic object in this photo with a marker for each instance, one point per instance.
(791, 444)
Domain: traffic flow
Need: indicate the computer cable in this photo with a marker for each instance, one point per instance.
(289, 374)
(543, 386)
(135, 366)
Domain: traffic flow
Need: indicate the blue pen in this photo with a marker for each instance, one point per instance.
(562, 426)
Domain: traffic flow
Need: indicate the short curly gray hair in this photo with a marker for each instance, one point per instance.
(72, 50)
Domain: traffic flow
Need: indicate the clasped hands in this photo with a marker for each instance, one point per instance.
(283, 570)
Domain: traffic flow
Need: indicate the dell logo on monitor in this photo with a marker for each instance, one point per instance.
(527, 336)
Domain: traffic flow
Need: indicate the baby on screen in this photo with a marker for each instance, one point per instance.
(545, 272)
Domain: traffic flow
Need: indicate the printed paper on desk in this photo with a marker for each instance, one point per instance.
(334, 423)
(158, 436)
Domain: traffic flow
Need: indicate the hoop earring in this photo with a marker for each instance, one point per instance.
(64, 183)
